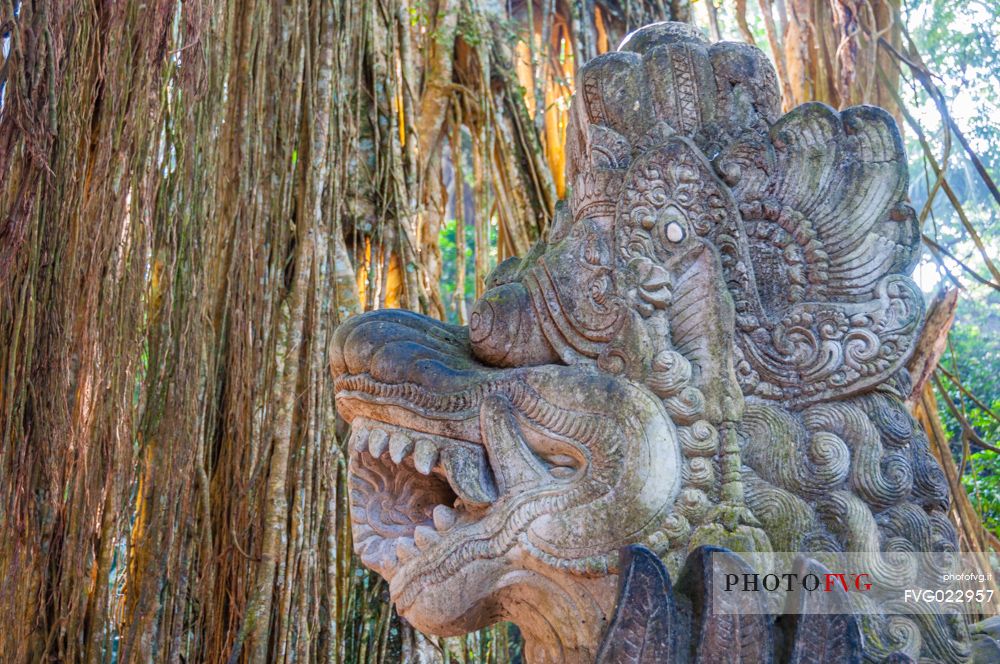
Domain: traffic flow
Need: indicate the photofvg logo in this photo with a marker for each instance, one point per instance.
(879, 582)
(792, 581)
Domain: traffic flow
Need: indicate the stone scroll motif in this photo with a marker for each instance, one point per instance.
(707, 350)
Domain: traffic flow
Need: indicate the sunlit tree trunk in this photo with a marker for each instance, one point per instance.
(188, 192)
(829, 51)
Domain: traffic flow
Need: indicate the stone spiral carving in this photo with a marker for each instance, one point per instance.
(706, 350)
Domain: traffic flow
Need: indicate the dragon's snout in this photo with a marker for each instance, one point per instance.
(393, 347)
(506, 331)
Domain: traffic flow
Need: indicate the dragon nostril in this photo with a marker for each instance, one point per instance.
(505, 331)
(481, 321)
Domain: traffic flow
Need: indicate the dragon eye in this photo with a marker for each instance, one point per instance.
(560, 459)
(671, 227)
(675, 232)
(561, 466)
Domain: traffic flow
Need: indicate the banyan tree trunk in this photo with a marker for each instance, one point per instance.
(192, 196)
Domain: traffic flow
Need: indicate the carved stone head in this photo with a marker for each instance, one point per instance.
(477, 492)
(704, 350)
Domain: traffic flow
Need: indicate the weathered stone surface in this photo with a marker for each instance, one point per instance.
(724, 629)
(646, 628)
(815, 636)
(531, 480)
(706, 350)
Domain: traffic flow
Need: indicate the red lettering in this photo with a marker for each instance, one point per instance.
(830, 581)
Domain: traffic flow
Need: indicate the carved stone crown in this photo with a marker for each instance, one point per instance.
(807, 212)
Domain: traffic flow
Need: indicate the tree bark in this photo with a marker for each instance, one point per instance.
(932, 342)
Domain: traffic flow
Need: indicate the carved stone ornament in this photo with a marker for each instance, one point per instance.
(706, 351)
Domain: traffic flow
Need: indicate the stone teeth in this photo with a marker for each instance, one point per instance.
(378, 442)
(406, 549)
(425, 537)
(425, 456)
(399, 447)
(444, 517)
(360, 439)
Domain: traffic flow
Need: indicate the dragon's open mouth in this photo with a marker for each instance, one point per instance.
(409, 490)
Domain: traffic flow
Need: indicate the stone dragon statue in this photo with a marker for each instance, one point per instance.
(708, 349)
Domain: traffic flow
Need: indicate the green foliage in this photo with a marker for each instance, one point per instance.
(449, 268)
(474, 215)
(983, 484)
(962, 48)
(960, 44)
(974, 358)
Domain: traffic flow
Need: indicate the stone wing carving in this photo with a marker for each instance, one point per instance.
(830, 244)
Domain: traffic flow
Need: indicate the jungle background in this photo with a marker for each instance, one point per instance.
(193, 194)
